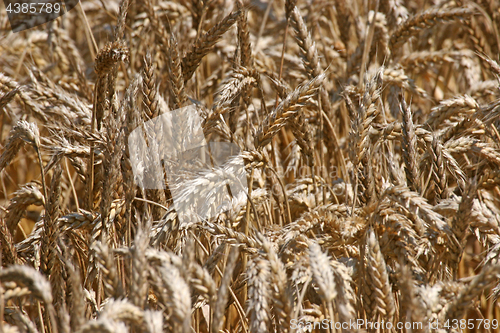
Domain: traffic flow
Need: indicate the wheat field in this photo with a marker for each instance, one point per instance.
(369, 132)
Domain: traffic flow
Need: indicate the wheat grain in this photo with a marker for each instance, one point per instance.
(424, 20)
(258, 295)
(286, 110)
(362, 207)
(410, 149)
(379, 297)
(203, 45)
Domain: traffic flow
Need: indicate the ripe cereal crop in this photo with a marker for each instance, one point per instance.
(363, 183)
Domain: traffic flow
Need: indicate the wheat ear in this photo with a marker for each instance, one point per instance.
(204, 43)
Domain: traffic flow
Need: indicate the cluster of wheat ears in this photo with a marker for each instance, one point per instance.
(370, 136)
